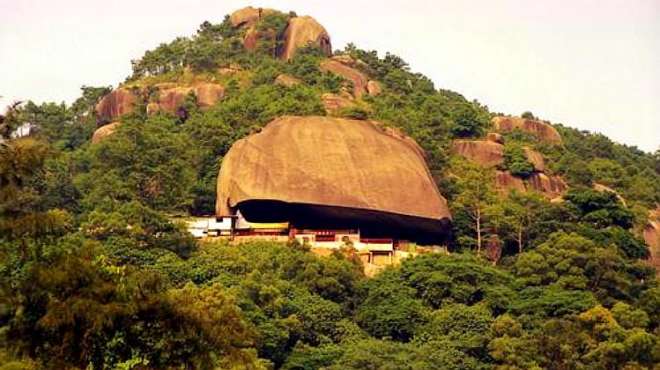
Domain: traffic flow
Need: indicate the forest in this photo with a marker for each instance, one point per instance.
(96, 273)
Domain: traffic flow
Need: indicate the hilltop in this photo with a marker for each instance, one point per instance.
(550, 235)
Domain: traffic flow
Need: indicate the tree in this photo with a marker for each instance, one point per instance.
(516, 161)
(466, 122)
(22, 215)
(515, 216)
(528, 115)
(475, 194)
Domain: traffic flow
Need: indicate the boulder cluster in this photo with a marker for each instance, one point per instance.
(490, 153)
(299, 32)
(162, 97)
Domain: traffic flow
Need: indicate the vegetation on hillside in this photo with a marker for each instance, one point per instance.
(95, 274)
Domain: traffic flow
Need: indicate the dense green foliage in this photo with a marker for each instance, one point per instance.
(94, 272)
(516, 162)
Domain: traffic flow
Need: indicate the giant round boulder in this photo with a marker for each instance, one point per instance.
(329, 173)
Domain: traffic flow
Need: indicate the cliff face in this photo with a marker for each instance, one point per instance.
(542, 131)
(339, 171)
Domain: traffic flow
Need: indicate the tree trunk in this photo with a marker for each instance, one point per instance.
(478, 219)
(520, 240)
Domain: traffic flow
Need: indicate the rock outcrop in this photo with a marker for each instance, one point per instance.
(115, 104)
(304, 31)
(248, 16)
(495, 137)
(104, 131)
(543, 131)
(208, 94)
(169, 100)
(300, 32)
(506, 182)
(550, 186)
(483, 152)
(535, 158)
(287, 80)
(374, 88)
(334, 173)
(652, 238)
(490, 153)
(171, 96)
(334, 103)
(339, 68)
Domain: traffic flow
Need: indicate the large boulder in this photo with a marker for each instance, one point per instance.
(169, 100)
(208, 94)
(304, 31)
(248, 16)
(104, 131)
(287, 80)
(374, 88)
(329, 172)
(543, 131)
(117, 103)
(652, 238)
(484, 152)
(347, 72)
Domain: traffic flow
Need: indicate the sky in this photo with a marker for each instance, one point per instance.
(589, 64)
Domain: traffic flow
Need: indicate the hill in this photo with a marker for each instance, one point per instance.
(545, 264)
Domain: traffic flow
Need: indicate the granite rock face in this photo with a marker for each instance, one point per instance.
(484, 152)
(652, 238)
(117, 103)
(248, 16)
(541, 130)
(104, 131)
(535, 158)
(333, 172)
(339, 68)
(506, 182)
(334, 103)
(304, 31)
(550, 186)
(299, 32)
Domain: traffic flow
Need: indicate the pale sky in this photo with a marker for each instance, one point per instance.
(590, 64)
